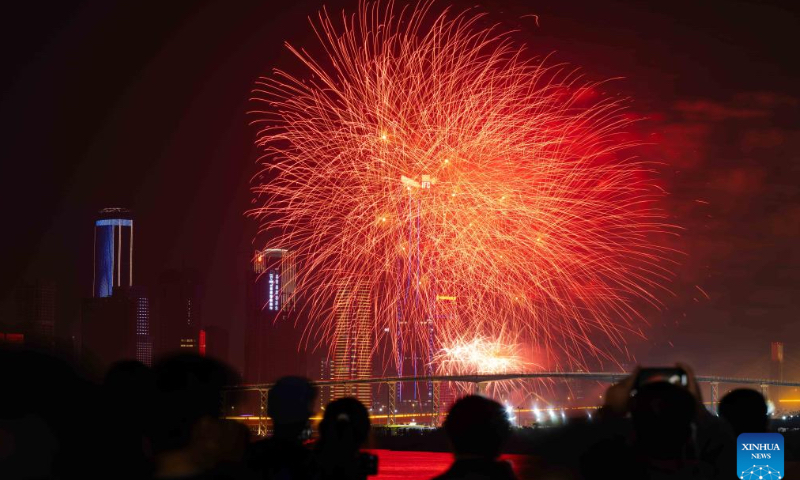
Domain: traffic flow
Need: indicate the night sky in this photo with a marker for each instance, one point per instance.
(143, 105)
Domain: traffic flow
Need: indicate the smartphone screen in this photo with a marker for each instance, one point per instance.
(673, 375)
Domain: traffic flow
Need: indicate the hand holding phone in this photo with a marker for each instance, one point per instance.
(673, 375)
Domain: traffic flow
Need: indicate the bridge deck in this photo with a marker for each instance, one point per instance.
(477, 379)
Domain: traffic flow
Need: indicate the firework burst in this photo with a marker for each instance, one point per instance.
(468, 187)
(481, 355)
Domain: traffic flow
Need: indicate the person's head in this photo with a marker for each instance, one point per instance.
(662, 415)
(477, 427)
(187, 400)
(290, 405)
(745, 410)
(42, 436)
(345, 423)
(127, 375)
(129, 387)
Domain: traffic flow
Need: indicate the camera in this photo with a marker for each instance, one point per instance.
(367, 464)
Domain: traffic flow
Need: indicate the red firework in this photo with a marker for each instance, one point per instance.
(471, 190)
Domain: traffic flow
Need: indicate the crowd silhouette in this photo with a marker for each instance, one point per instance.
(168, 422)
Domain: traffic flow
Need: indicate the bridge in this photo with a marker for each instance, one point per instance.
(480, 381)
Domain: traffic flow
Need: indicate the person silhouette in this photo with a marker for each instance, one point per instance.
(745, 410)
(344, 429)
(126, 395)
(477, 428)
(189, 437)
(283, 455)
(47, 426)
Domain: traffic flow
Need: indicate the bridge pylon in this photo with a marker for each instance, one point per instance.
(391, 415)
(436, 403)
(261, 427)
(714, 396)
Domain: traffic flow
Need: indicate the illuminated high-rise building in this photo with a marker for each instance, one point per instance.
(178, 307)
(144, 339)
(113, 251)
(414, 357)
(446, 310)
(325, 373)
(273, 333)
(353, 340)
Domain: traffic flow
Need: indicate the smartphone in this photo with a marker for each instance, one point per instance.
(673, 375)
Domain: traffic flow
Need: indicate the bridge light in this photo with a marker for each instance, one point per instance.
(537, 413)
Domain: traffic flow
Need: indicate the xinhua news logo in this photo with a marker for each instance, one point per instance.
(760, 456)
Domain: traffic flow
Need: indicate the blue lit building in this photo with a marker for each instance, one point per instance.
(113, 251)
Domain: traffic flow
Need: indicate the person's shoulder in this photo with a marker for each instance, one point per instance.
(259, 454)
(270, 447)
(260, 445)
(218, 474)
(478, 469)
(452, 473)
(444, 476)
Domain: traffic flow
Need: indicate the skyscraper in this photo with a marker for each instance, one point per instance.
(178, 303)
(414, 356)
(113, 251)
(36, 303)
(273, 333)
(144, 341)
(214, 342)
(353, 340)
(325, 373)
(108, 329)
(277, 271)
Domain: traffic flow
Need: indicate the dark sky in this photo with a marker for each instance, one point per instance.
(143, 105)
